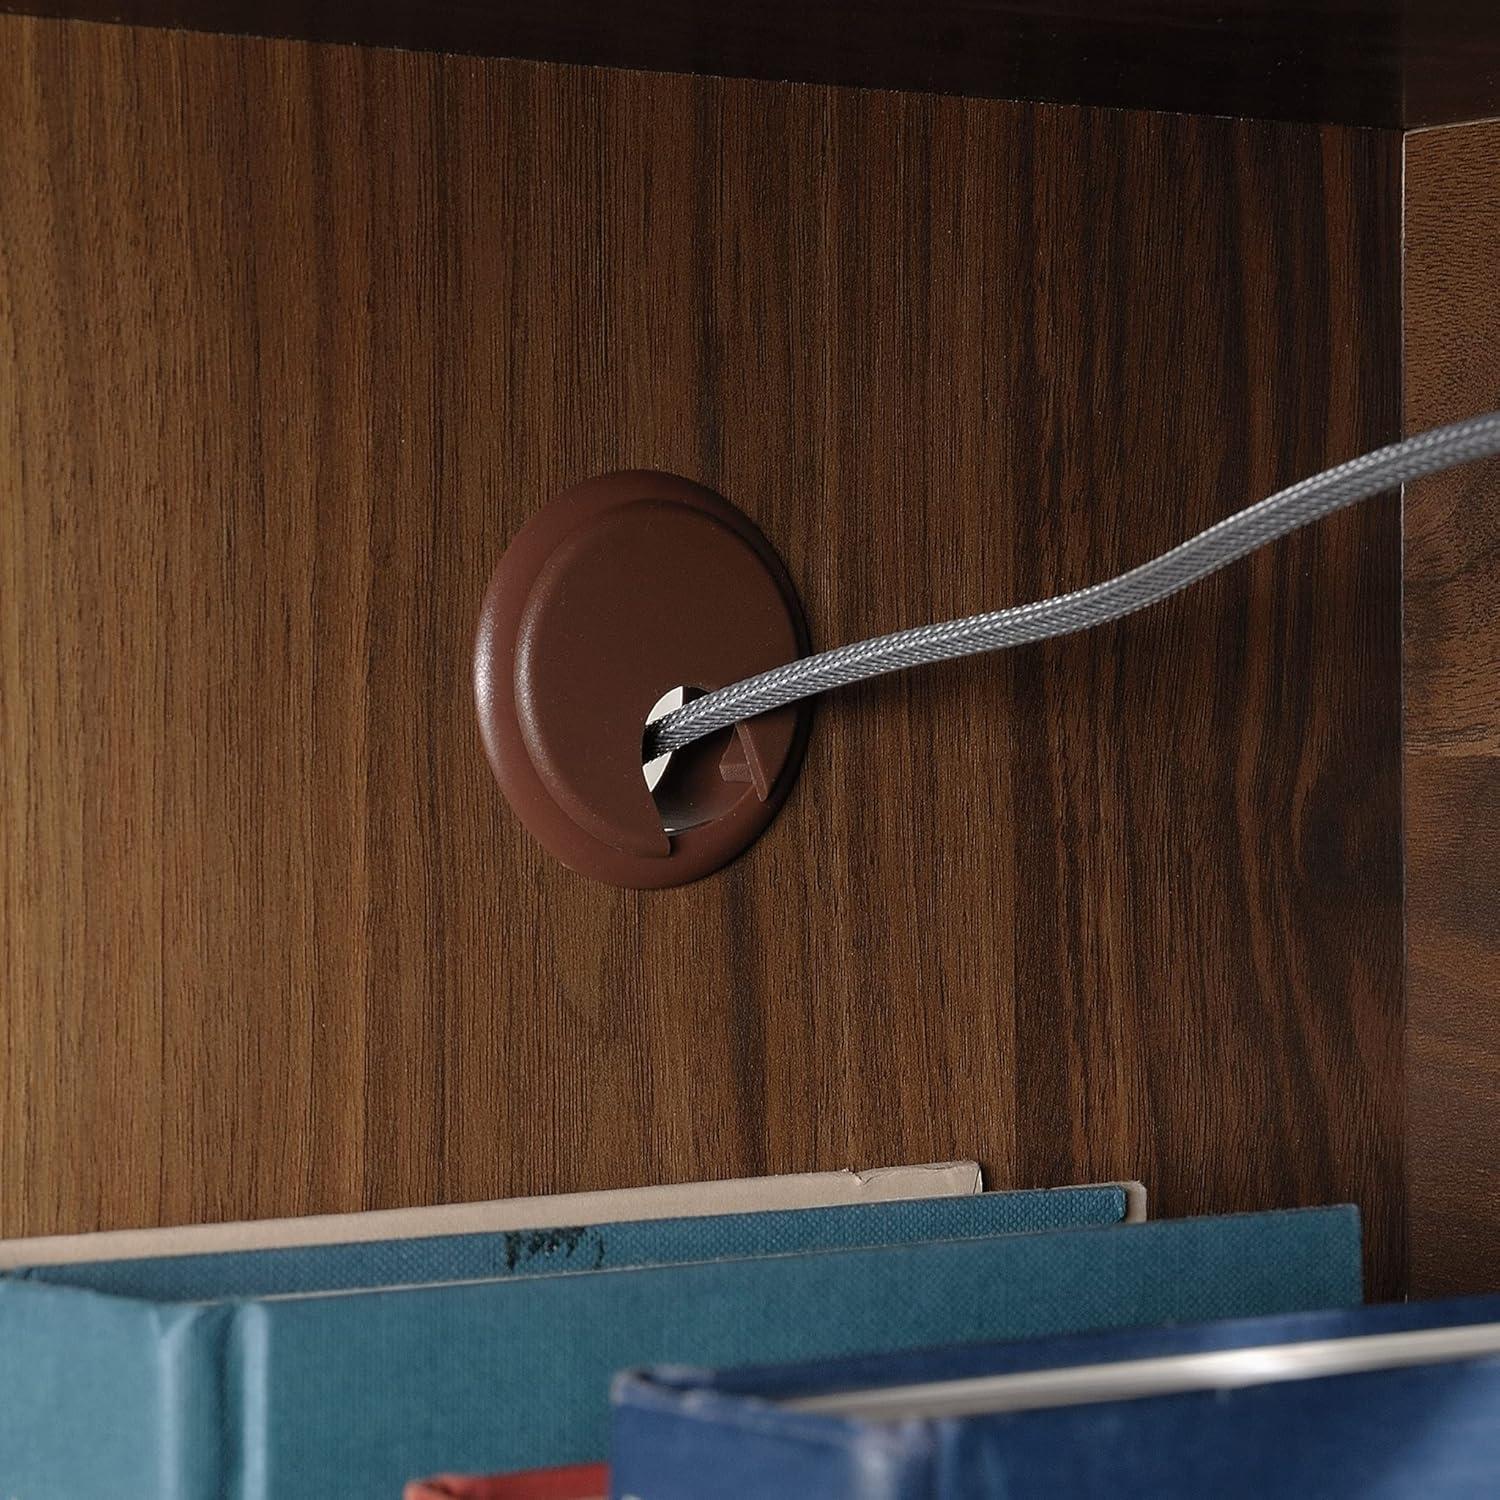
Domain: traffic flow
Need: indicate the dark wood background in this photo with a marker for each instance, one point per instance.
(293, 338)
(1387, 63)
(1452, 717)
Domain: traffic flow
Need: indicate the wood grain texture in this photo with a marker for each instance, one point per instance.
(1354, 62)
(293, 338)
(1452, 717)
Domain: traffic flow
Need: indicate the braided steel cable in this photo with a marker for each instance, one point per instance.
(1306, 501)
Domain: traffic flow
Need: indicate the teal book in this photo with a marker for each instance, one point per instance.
(354, 1392)
(485, 1256)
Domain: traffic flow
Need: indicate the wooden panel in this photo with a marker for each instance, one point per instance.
(1355, 62)
(294, 338)
(1452, 718)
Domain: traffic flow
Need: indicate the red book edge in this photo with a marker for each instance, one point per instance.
(572, 1482)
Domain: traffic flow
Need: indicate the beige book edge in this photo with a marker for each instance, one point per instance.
(611, 1206)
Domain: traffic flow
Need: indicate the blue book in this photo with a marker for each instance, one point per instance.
(1402, 1399)
(353, 1392)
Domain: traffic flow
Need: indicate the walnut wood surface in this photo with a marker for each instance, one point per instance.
(1452, 718)
(293, 338)
(1350, 62)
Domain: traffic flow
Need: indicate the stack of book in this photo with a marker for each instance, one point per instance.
(892, 1333)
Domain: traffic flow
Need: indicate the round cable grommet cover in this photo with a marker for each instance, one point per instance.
(616, 592)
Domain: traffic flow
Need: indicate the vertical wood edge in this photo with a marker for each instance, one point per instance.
(1451, 715)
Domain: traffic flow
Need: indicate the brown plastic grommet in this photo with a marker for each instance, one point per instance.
(619, 590)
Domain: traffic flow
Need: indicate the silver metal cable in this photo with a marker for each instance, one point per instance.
(1307, 500)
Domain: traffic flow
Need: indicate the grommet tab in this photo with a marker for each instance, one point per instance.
(617, 591)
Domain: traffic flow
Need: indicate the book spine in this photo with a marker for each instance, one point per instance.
(248, 1457)
(197, 1421)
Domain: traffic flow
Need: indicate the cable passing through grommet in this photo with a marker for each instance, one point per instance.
(1274, 517)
